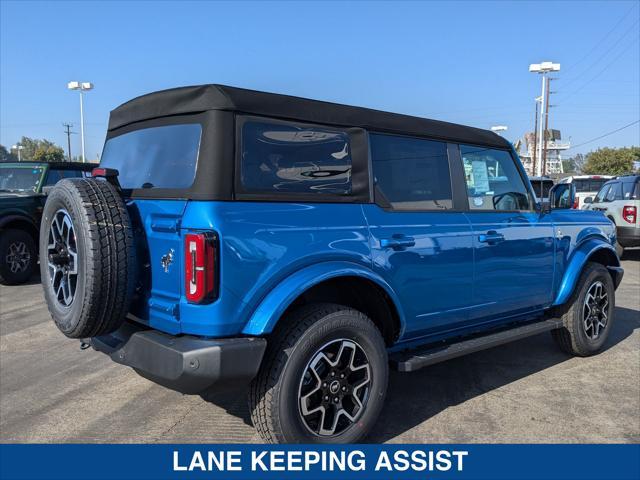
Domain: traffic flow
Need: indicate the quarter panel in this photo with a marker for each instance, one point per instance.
(263, 243)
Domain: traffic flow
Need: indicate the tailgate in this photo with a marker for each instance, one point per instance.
(159, 257)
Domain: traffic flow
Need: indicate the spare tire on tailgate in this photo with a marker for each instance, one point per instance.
(87, 261)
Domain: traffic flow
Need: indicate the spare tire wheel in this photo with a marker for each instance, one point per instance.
(87, 259)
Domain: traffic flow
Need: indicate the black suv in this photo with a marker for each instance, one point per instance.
(23, 187)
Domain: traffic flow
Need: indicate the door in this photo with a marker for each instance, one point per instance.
(420, 245)
(513, 243)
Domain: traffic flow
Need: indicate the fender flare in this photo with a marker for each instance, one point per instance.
(579, 258)
(274, 304)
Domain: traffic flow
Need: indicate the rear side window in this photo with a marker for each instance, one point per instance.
(493, 180)
(411, 173)
(294, 158)
(631, 190)
(157, 157)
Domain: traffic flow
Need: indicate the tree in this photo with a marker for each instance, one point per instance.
(611, 161)
(40, 150)
(48, 153)
(6, 155)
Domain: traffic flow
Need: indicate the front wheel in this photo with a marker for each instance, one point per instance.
(589, 314)
(18, 257)
(323, 379)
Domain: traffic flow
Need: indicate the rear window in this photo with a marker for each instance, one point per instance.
(280, 157)
(158, 157)
(411, 173)
(589, 184)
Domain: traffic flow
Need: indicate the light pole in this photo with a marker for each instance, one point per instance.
(499, 128)
(81, 87)
(19, 148)
(543, 68)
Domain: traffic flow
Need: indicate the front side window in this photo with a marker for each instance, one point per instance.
(602, 194)
(280, 157)
(493, 180)
(411, 173)
(614, 193)
(157, 157)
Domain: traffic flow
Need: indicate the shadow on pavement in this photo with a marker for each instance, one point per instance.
(413, 398)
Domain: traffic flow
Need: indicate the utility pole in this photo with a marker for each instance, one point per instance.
(545, 138)
(68, 131)
(542, 69)
(535, 141)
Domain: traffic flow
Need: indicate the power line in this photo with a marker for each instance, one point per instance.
(597, 45)
(605, 135)
(615, 59)
(572, 80)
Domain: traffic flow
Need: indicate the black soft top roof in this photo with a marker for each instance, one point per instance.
(185, 100)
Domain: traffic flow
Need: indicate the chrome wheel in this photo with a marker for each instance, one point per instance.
(18, 257)
(62, 258)
(334, 388)
(595, 313)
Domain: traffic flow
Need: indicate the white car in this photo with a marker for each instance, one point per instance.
(586, 186)
(619, 200)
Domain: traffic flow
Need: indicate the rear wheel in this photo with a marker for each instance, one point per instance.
(323, 379)
(18, 256)
(589, 315)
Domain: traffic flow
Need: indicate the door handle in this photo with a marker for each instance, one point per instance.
(491, 237)
(397, 242)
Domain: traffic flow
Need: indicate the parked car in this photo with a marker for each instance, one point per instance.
(619, 200)
(235, 238)
(586, 186)
(541, 187)
(22, 196)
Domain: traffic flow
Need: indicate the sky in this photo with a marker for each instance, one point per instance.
(464, 62)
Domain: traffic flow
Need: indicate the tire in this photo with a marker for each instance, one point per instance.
(276, 392)
(87, 257)
(18, 256)
(576, 337)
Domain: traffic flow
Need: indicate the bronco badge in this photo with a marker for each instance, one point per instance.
(167, 260)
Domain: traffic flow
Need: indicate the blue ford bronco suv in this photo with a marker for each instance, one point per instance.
(232, 238)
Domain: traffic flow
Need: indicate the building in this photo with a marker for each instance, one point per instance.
(553, 165)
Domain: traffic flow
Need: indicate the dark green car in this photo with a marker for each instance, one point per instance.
(23, 188)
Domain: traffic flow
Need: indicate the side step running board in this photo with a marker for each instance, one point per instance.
(416, 359)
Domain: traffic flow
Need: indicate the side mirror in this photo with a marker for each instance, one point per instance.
(588, 200)
(561, 196)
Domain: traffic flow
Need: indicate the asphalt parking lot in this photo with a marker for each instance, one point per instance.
(528, 391)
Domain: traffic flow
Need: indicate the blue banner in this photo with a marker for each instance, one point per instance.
(276, 462)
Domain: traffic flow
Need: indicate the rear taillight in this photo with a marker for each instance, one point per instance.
(576, 203)
(630, 214)
(201, 263)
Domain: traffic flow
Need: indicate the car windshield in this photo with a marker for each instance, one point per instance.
(20, 178)
(157, 157)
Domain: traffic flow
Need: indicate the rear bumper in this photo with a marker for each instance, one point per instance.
(184, 363)
(628, 236)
